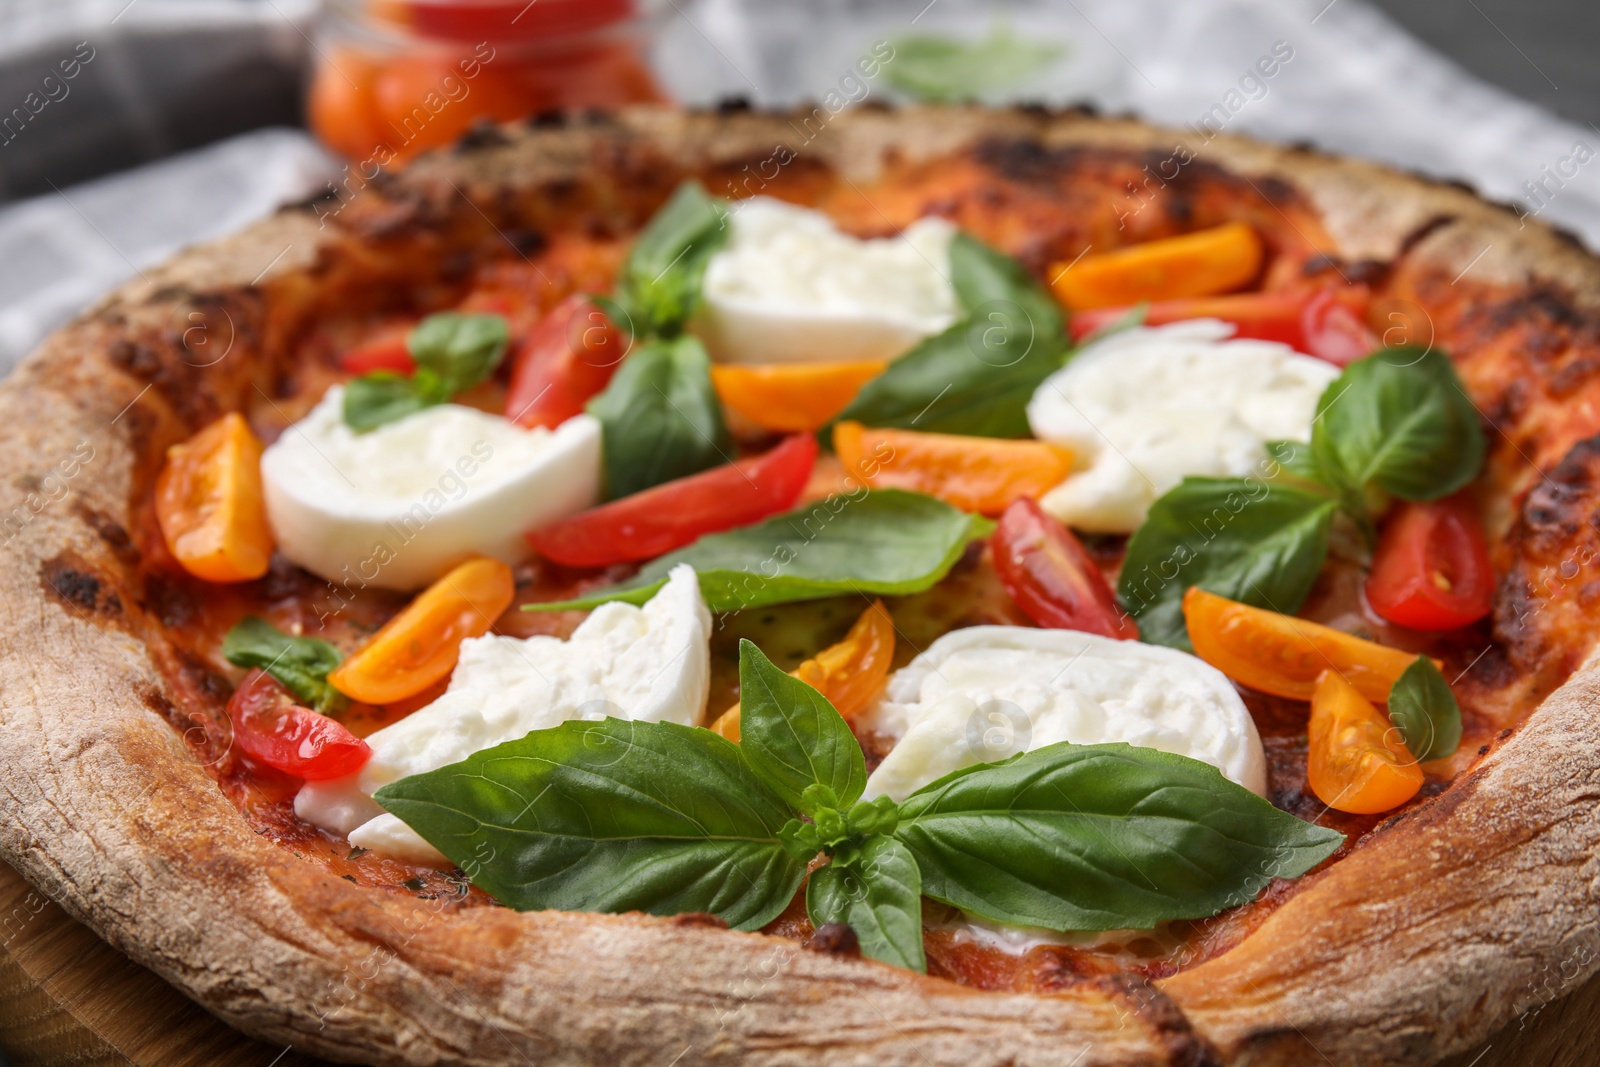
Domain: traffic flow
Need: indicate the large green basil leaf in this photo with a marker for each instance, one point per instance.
(1399, 420)
(1101, 837)
(794, 738)
(610, 816)
(660, 418)
(1424, 709)
(879, 896)
(886, 541)
(380, 397)
(977, 376)
(300, 664)
(658, 287)
(1250, 540)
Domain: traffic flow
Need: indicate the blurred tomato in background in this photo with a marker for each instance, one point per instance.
(395, 77)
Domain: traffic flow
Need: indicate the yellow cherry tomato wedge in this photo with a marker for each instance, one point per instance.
(791, 397)
(849, 673)
(1197, 264)
(420, 646)
(983, 474)
(1283, 655)
(209, 504)
(1357, 761)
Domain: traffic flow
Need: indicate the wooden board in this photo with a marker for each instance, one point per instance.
(67, 999)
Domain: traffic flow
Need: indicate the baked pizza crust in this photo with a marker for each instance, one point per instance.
(1437, 929)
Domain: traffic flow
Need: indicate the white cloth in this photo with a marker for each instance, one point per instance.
(1356, 83)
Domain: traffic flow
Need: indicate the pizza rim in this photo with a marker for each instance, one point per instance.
(295, 937)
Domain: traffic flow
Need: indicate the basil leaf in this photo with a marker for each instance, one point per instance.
(977, 376)
(461, 350)
(1400, 420)
(659, 284)
(610, 816)
(1258, 542)
(380, 397)
(1424, 710)
(986, 280)
(659, 417)
(301, 664)
(793, 737)
(885, 541)
(1101, 837)
(949, 69)
(879, 897)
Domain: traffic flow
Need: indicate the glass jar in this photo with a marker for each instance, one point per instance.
(395, 77)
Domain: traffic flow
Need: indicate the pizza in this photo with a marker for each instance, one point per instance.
(965, 586)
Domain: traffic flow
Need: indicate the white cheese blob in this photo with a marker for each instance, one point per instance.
(985, 693)
(398, 506)
(649, 664)
(789, 287)
(1146, 407)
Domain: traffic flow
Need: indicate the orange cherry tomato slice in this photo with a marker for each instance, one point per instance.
(982, 474)
(209, 503)
(1283, 655)
(1357, 761)
(792, 397)
(420, 646)
(1196, 264)
(849, 673)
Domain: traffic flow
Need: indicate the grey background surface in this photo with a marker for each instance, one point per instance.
(1543, 50)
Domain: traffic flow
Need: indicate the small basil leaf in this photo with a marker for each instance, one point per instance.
(1258, 542)
(977, 376)
(1101, 837)
(459, 349)
(794, 738)
(885, 541)
(1399, 420)
(1424, 710)
(949, 69)
(879, 897)
(660, 418)
(381, 397)
(610, 816)
(659, 284)
(300, 664)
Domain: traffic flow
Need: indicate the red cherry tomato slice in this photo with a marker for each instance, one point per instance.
(272, 729)
(1431, 570)
(673, 514)
(1051, 576)
(1327, 322)
(568, 357)
(1333, 327)
(385, 351)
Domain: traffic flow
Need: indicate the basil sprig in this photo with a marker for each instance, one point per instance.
(977, 376)
(1399, 421)
(658, 287)
(453, 353)
(1425, 711)
(300, 664)
(950, 69)
(659, 417)
(886, 541)
(1396, 423)
(661, 818)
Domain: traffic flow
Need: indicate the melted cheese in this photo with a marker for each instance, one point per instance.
(1144, 408)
